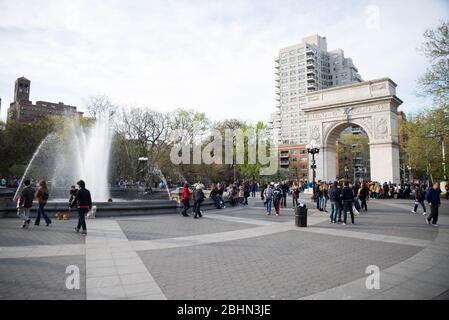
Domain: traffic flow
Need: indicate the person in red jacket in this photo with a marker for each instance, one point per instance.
(185, 199)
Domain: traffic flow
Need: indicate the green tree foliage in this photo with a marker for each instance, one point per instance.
(424, 135)
(18, 141)
(435, 82)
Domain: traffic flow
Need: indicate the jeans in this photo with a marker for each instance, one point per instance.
(295, 202)
(323, 202)
(40, 211)
(347, 208)
(186, 206)
(245, 200)
(269, 203)
(363, 203)
(24, 213)
(335, 210)
(82, 218)
(433, 214)
(422, 204)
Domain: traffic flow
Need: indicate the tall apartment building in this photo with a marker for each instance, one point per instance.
(23, 110)
(299, 69)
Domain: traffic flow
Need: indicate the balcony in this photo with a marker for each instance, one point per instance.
(311, 71)
(310, 64)
(311, 79)
(310, 57)
(284, 155)
(283, 163)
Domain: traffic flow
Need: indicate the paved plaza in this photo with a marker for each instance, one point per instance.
(236, 253)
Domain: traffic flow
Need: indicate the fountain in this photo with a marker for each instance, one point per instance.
(83, 153)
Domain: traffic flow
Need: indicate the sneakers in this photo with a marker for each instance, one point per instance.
(428, 222)
(424, 213)
(413, 212)
(344, 223)
(277, 214)
(434, 224)
(83, 233)
(77, 230)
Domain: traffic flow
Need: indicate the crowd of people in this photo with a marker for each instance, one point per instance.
(346, 198)
(80, 199)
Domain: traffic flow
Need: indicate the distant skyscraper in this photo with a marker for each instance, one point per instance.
(23, 110)
(302, 68)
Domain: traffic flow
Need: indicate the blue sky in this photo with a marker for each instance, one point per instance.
(212, 56)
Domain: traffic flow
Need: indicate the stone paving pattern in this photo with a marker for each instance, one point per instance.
(281, 266)
(170, 226)
(236, 253)
(59, 232)
(40, 278)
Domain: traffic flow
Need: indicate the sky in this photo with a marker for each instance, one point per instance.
(213, 56)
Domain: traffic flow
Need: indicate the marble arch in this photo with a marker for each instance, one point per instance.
(373, 106)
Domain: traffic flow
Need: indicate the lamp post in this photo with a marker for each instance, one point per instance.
(313, 148)
(143, 160)
(346, 172)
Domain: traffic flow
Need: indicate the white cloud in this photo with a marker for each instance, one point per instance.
(216, 57)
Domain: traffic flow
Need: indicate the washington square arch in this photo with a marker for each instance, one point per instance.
(371, 105)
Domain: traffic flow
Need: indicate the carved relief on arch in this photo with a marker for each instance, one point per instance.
(315, 133)
(381, 128)
(366, 124)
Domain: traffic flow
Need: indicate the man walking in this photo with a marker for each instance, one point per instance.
(24, 204)
(335, 198)
(198, 198)
(433, 198)
(348, 199)
(83, 202)
(277, 198)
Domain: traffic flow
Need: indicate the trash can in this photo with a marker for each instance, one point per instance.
(301, 215)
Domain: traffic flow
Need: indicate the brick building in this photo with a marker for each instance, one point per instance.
(23, 110)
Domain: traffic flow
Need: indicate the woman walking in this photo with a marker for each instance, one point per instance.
(419, 199)
(295, 194)
(268, 194)
(363, 194)
(323, 194)
(42, 198)
(185, 199)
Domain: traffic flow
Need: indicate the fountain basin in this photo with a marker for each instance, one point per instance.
(105, 209)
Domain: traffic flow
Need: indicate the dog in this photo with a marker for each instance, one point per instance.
(63, 215)
(92, 212)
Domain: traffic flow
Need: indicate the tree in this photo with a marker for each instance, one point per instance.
(424, 136)
(435, 82)
(100, 105)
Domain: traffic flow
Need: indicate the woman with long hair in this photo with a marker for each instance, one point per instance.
(42, 198)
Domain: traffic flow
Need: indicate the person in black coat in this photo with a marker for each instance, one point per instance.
(198, 198)
(83, 202)
(25, 202)
(335, 198)
(419, 199)
(347, 195)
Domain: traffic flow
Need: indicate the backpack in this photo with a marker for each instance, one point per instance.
(45, 196)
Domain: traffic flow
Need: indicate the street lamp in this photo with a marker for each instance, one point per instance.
(313, 148)
(346, 172)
